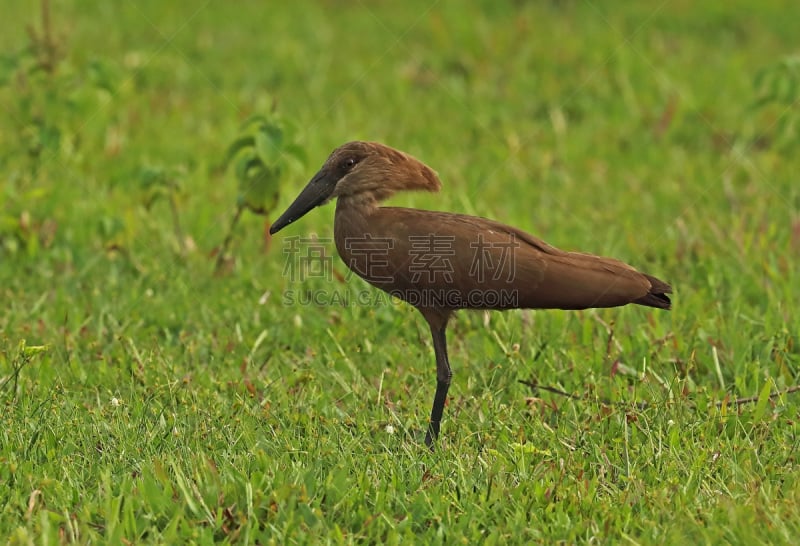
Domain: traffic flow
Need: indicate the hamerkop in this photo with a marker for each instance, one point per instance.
(441, 262)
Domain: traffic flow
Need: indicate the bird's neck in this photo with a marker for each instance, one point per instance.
(357, 203)
(351, 220)
(355, 208)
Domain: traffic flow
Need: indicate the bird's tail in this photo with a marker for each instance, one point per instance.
(657, 297)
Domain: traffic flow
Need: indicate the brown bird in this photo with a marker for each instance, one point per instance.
(441, 262)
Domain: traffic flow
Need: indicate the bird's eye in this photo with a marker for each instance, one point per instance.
(349, 163)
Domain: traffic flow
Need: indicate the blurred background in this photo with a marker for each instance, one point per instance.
(145, 147)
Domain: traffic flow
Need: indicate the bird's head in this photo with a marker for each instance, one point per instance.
(366, 171)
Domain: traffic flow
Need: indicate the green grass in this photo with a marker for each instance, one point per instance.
(170, 405)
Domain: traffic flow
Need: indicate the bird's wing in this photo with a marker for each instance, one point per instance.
(474, 255)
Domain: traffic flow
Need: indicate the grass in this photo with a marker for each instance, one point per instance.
(146, 400)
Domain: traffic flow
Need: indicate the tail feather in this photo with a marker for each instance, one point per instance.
(657, 297)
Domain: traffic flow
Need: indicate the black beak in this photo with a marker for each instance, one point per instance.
(316, 193)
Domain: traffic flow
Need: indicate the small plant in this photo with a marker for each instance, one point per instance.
(32, 85)
(778, 88)
(43, 44)
(20, 229)
(159, 183)
(48, 99)
(9, 384)
(260, 156)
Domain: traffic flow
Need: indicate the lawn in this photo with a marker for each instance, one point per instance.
(153, 391)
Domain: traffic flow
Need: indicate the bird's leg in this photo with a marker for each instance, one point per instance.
(443, 376)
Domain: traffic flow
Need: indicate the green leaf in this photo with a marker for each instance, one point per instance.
(254, 120)
(268, 144)
(259, 186)
(248, 161)
(241, 143)
(297, 152)
(763, 399)
(260, 191)
(31, 350)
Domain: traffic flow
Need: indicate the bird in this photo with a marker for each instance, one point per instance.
(442, 262)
